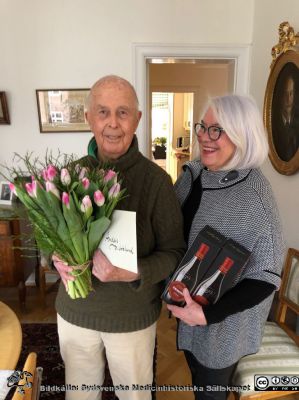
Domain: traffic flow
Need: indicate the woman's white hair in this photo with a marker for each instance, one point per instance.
(241, 119)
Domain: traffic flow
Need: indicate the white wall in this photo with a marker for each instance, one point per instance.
(268, 15)
(71, 43)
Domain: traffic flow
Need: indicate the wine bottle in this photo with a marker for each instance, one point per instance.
(187, 274)
(209, 289)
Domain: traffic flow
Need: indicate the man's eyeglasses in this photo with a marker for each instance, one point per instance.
(214, 132)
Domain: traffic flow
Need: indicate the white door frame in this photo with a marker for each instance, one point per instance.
(144, 51)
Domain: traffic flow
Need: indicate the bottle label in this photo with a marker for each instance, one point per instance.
(200, 300)
(176, 290)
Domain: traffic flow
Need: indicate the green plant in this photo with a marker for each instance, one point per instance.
(160, 141)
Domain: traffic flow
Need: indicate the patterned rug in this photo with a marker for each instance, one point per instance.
(43, 339)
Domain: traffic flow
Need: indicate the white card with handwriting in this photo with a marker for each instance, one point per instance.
(119, 243)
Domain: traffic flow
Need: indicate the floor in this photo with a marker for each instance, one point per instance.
(171, 365)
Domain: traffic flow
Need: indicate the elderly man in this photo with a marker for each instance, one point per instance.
(120, 316)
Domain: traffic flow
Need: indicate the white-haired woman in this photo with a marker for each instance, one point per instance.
(226, 190)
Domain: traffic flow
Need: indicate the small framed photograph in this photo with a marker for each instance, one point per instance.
(5, 193)
(62, 110)
(4, 116)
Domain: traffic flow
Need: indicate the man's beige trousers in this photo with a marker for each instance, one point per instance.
(130, 359)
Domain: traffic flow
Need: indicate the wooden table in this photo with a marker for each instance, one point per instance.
(10, 338)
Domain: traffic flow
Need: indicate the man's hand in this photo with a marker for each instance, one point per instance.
(192, 314)
(106, 272)
(63, 269)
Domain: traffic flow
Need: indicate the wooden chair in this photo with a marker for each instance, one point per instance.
(48, 277)
(279, 352)
(44, 277)
(29, 385)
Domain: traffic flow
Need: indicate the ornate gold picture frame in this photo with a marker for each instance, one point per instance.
(281, 104)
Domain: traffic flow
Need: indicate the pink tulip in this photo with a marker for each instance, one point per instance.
(12, 188)
(86, 205)
(115, 189)
(83, 173)
(66, 199)
(85, 183)
(65, 177)
(50, 187)
(77, 168)
(99, 198)
(51, 172)
(34, 185)
(44, 174)
(110, 174)
(31, 188)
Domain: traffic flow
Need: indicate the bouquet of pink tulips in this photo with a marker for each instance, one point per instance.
(70, 207)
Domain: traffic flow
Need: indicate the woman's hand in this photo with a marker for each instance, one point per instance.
(63, 269)
(192, 314)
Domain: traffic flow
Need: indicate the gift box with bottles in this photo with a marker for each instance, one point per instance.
(208, 269)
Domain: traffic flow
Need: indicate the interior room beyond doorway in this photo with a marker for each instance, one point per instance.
(172, 116)
(178, 90)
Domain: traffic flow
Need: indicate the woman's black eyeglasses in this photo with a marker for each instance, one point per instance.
(214, 132)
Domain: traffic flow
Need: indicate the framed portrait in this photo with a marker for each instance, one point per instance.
(62, 110)
(5, 193)
(281, 111)
(4, 116)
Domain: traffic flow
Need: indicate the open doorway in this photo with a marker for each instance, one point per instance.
(144, 54)
(178, 90)
(171, 121)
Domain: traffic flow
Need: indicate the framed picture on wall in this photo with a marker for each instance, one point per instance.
(4, 116)
(5, 193)
(281, 105)
(62, 110)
